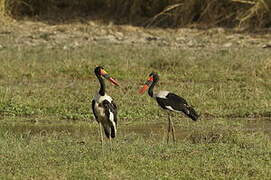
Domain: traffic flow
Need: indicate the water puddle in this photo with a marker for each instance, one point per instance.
(157, 131)
(259, 125)
(45, 126)
(149, 130)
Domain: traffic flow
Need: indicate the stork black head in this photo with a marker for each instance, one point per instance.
(99, 71)
(153, 77)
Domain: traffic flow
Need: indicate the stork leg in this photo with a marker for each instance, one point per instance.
(170, 129)
(173, 131)
(110, 141)
(101, 133)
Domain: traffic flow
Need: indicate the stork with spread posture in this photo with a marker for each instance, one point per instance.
(168, 101)
(103, 107)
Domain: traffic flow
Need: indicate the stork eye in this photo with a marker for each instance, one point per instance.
(103, 72)
(150, 78)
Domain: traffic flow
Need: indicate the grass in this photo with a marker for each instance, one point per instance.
(47, 130)
(54, 81)
(65, 156)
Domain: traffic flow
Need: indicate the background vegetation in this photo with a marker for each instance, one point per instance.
(163, 13)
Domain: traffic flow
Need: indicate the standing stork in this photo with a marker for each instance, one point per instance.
(168, 101)
(103, 107)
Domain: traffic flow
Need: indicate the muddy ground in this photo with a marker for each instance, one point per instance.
(75, 34)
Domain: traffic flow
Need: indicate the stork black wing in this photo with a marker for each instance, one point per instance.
(176, 99)
(110, 108)
(115, 111)
(174, 102)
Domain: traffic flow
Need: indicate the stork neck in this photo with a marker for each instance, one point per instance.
(102, 85)
(150, 91)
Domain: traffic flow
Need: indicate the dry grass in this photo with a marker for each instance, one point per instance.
(227, 13)
(165, 13)
(259, 14)
(2, 7)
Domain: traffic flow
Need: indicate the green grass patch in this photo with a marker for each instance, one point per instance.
(232, 83)
(61, 154)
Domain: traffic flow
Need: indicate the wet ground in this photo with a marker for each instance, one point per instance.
(33, 126)
(75, 35)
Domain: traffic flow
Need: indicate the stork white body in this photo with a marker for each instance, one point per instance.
(161, 94)
(106, 119)
(98, 108)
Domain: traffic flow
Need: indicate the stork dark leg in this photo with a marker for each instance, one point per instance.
(170, 129)
(101, 133)
(110, 141)
(173, 131)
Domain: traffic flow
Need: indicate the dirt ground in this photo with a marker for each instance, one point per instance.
(76, 34)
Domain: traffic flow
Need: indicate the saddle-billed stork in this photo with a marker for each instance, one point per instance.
(168, 101)
(103, 107)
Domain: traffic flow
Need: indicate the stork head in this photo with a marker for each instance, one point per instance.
(99, 71)
(153, 77)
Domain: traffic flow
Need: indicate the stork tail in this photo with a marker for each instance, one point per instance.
(113, 132)
(192, 113)
(110, 131)
(107, 132)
